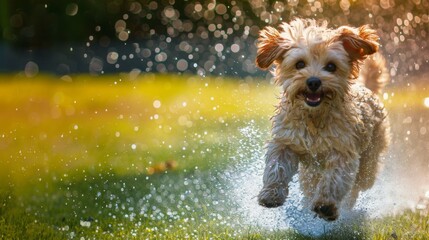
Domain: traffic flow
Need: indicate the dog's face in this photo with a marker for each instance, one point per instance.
(314, 65)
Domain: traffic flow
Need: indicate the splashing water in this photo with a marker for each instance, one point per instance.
(389, 195)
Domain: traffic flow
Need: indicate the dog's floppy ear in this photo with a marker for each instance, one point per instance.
(269, 49)
(359, 42)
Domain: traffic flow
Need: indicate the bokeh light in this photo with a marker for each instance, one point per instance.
(203, 34)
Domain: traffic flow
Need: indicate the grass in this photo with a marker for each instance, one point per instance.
(109, 157)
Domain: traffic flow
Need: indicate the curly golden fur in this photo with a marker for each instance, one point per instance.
(329, 125)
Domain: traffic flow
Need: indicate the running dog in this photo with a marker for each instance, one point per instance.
(329, 126)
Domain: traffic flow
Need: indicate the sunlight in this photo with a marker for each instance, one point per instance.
(426, 102)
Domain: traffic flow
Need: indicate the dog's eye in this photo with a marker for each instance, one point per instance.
(330, 67)
(300, 65)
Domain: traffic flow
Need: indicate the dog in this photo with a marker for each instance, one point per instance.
(330, 125)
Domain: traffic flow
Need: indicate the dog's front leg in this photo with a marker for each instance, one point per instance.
(281, 165)
(337, 180)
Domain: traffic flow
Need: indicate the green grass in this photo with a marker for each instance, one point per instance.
(100, 158)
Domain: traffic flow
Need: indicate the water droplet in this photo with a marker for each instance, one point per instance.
(72, 9)
(156, 104)
(31, 69)
(182, 65)
(112, 57)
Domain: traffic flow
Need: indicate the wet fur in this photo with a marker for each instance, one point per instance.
(335, 146)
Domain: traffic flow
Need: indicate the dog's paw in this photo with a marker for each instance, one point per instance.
(327, 211)
(272, 197)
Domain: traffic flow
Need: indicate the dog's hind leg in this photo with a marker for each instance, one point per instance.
(369, 162)
(335, 183)
(366, 175)
(281, 165)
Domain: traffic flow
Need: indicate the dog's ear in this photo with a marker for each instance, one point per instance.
(269, 49)
(360, 42)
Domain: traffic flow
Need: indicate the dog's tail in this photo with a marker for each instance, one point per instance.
(374, 74)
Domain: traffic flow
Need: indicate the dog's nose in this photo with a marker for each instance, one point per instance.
(313, 83)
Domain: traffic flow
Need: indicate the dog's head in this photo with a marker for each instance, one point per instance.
(315, 65)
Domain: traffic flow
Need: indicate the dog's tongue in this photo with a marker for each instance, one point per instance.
(313, 97)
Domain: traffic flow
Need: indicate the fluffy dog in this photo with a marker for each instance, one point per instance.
(329, 124)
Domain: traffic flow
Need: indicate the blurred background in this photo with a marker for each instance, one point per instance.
(198, 37)
(147, 119)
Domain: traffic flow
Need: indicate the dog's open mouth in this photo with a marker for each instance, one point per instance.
(313, 99)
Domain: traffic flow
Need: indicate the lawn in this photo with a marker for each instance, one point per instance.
(160, 157)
